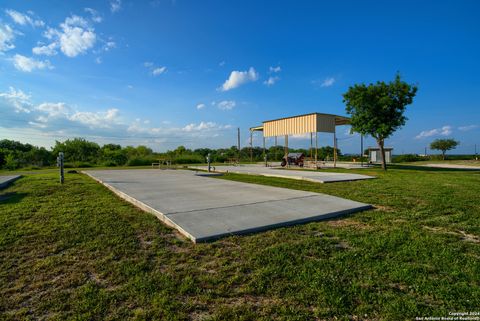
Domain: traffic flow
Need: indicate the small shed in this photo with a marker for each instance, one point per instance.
(375, 156)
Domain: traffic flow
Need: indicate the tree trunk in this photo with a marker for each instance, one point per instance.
(382, 151)
(443, 154)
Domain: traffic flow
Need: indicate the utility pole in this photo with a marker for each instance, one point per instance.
(425, 151)
(238, 144)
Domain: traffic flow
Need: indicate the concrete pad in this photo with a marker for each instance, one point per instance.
(6, 180)
(204, 208)
(313, 176)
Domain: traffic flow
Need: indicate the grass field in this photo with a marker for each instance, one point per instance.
(78, 252)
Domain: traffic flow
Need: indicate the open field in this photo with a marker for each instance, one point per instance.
(78, 251)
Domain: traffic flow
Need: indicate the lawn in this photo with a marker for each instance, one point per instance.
(78, 252)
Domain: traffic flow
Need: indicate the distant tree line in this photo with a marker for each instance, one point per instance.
(82, 153)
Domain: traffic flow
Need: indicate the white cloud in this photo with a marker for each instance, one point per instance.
(300, 136)
(27, 64)
(200, 106)
(444, 131)
(204, 126)
(109, 45)
(328, 82)
(98, 60)
(275, 69)
(226, 105)
(94, 15)
(115, 5)
(39, 125)
(238, 78)
(159, 71)
(23, 19)
(58, 120)
(7, 35)
(221, 63)
(18, 99)
(96, 119)
(467, 128)
(148, 64)
(47, 50)
(76, 36)
(271, 81)
(52, 110)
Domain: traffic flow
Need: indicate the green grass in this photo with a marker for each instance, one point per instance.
(78, 252)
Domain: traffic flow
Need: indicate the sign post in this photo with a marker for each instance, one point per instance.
(60, 160)
(209, 162)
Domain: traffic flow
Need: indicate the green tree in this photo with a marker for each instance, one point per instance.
(378, 109)
(11, 162)
(77, 149)
(444, 145)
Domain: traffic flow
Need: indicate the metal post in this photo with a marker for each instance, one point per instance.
(311, 145)
(264, 152)
(251, 146)
(316, 150)
(361, 150)
(238, 142)
(286, 149)
(208, 162)
(276, 148)
(334, 149)
(60, 161)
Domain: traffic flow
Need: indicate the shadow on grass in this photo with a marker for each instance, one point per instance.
(11, 198)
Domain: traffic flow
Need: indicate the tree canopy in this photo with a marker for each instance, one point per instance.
(444, 145)
(378, 109)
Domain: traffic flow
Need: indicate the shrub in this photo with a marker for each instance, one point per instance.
(139, 161)
(188, 159)
(109, 164)
(409, 158)
(82, 164)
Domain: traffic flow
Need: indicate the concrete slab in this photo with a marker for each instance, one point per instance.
(313, 176)
(205, 208)
(6, 180)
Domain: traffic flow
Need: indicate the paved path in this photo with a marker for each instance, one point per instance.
(313, 176)
(6, 180)
(204, 208)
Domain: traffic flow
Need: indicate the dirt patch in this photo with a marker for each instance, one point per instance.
(347, 223)
(383, 208)
(464, 236)
(469, 237)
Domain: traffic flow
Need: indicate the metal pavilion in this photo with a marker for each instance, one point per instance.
(302, 124)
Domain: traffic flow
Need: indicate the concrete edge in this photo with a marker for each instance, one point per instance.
(10, 181)
(315, 218)
(144, 207)
(298, 178)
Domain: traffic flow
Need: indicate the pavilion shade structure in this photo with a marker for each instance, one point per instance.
(310, 123)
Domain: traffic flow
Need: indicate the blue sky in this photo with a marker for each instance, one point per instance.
(174, 72)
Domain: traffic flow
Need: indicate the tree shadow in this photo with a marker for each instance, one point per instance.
(11, 198)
